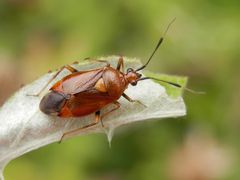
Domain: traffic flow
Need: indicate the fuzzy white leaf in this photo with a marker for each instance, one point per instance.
(24, 128)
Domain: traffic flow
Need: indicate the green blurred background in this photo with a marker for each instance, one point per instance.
(203, 43)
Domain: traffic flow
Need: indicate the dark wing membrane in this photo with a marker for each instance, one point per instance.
(81, 81)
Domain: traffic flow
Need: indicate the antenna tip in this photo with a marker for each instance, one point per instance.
(194, 92)
(171, 22)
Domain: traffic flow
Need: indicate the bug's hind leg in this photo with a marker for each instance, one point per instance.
(97, 119)
(131, 100)
(70, 68)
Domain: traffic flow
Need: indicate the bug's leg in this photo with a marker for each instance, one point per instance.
(97, 119)
(117, 104)
(98, 60)
(120, 64)
(70, 68)
(131, 100)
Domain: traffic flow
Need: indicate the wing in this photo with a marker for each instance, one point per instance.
(79, 81)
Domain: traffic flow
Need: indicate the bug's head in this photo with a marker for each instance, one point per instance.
(132, 76)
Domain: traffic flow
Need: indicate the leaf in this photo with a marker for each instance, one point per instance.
(24, 128)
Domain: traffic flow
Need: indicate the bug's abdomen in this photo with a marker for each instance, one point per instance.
(85, 103)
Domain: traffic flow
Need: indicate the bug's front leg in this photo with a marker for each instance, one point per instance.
(70, 68)
(133, 101)
(120, 64)
(97, 119)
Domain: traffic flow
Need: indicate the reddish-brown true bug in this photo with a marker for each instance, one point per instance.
(84, 92)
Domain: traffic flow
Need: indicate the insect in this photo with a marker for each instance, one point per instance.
(84, 92)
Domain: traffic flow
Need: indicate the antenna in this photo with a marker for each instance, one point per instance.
(158, 45)
(173, 84)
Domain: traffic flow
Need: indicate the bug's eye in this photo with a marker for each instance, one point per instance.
(139, 75)
(129, 70)
(134, 83)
